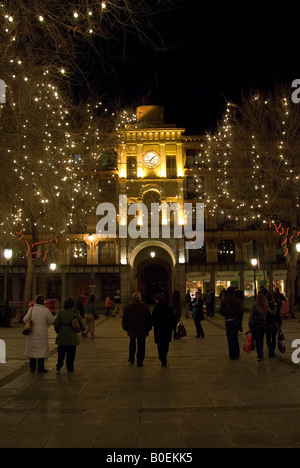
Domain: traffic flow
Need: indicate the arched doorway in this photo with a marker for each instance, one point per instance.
(153, 278)
(152, 269)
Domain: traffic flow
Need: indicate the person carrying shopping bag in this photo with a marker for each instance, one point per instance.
(67, 338)
(37, 343)
(231, 309)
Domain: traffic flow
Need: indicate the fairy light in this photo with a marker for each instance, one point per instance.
(257, 196)
(57, 145)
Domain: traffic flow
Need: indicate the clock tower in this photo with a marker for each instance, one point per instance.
(151, 170)
(151, 149)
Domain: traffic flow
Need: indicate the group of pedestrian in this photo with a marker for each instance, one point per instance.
(137, 321)
(67, 339)
(118, 304)
(86, 306)
(264, 320)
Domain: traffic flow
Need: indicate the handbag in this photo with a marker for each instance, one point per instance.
(180, 329)
(248, 342)
(75, 324)
(28, 326)
(281, 342)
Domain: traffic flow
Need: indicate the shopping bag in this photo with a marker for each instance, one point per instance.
(248, 342)
(281, 342)
(28, 326)
(285, 309)
(180, 329)
(75, 324)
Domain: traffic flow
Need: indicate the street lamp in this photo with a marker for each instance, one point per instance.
(254, 264)
(52, 267)
(8, 255)
(298, 247)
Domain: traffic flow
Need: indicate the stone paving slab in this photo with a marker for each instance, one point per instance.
(201, 400)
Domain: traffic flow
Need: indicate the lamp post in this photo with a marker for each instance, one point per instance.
(254, 264)
(298, 247)
(8, 255)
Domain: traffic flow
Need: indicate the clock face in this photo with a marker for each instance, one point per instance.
(151, 159)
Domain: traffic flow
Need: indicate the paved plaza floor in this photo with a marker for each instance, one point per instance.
(202, 399)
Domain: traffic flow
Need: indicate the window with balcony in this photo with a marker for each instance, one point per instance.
(171, 167)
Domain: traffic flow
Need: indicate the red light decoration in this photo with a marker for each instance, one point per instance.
(281, 230)
(52, 243)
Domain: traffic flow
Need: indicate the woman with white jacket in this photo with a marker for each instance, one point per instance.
(37, 343)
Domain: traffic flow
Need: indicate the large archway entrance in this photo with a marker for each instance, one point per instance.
(153, 278)
(153, 267)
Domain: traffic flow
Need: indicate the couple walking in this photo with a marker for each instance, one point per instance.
(138, 321)
(264, 320)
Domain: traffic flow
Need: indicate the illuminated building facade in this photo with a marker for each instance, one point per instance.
(155, 165)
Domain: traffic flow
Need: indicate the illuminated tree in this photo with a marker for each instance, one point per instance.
(254, 164)
(42, 186)
(50, 148)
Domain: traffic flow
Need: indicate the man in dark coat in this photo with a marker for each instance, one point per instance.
(232, 309)
(137, 321)
(163, 322)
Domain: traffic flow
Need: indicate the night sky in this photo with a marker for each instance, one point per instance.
(216, 51)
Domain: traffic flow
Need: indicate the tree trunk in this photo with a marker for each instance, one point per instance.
(27, 295)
